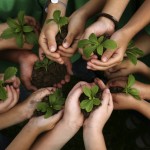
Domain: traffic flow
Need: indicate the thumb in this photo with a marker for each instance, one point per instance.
(68, 40)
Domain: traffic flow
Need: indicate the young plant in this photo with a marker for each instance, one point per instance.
(129, 90)
(60, 21)
(54, 104)
(132, 52)
(96, 45)
(9, 72)
(43, 64)
(19, 30)
(91, 100)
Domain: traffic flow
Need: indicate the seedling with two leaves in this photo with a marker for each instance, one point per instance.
(43, 64)
(96, 45)
(19, 30)
(60, 21)
(9, 72)
(54, 103)
(91, 100)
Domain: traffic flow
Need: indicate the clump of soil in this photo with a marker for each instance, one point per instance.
(116, 89)
(55, 72)
(46, 78)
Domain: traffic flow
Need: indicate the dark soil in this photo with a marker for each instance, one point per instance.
(54, 74)
(116, 89)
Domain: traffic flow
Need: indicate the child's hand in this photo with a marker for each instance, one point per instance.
(125, 68)
(29, 105)
(99, 117)
(111, 58)
(12, 99)
(43, 124)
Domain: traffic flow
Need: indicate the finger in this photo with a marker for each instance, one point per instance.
(110, 104)
(100, 83)
(117, 83)
(116, 68)
(64, 54)
(41, 54)
(68, 65)
(117, 74)
(105, 97)
(16, 84)
(29, 86)
(68, 40)
(67, 78)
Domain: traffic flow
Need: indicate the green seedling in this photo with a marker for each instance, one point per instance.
(9, 72)
(129, 90)
(133, 52)
(96, 45)
(60, 21)
(91, 100)
(19, 30)
(43, 64)
(55, 103)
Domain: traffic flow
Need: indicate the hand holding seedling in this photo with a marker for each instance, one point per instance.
(18, 29)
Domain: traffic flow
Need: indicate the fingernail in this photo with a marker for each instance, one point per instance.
(52, 48)
(65, 45)
(107, 91)
(104, 59)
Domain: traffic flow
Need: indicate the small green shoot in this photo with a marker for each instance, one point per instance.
(19, 30)
(91, 100)
(132, 52)
(129, 90)
(97, 45)
(60, 21)
(9, 72)
(55, 103)
(43, 64)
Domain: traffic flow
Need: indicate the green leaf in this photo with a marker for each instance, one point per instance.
(87, 51)
(21, 15)
(49, 113)
(100, 39)
(131, 81)
(83, 43)
(134, 92)
(132, 58)
(94, 90)
(52, 99)
(27, 29)
(57, 107)
(19, 40)
(8, 33)
(100, 50)
(109, 44)
(31, 38)
(87, 91)
(42, 106)
(3, 94)
(49, 20)
(56, 15)
(17, 30)
(12, 23)
(89, 106)
(93, 38)
(96, 101)
(131, 44)
(10, 72)
(84, 103)
(136, 51)
(63, 21)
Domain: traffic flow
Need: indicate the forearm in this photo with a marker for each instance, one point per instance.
(144, 108)
(94, 140)
(115, 8)
(12, 117)
(139, 20)
(56, 138)
(24, 139)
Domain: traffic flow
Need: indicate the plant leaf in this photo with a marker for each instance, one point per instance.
(31, 38)
(89, 106)
(96, 101)
(132, 57)
(109, 44)
(93, 38)
(10, 72)
(52, 99)
(8, 33)
(49, 113)
(3, 94)
(57, 107)
(136, 51)
(42, 106)
(94, 90)
(134, 92)
(27, 28)
(12, 23)
(131, 81)
(21, 17)
(131, 45)
(87, 51)
(100, 50)
(63, 21)
(56, 15)
(100, 39)
(83, 43)
(87, 91)
(49, 20)
(19, 39)
(83, 103)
